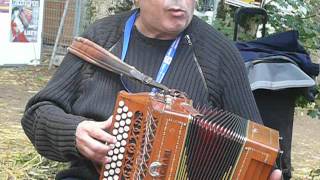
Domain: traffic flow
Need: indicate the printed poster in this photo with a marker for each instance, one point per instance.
(24, 20)
(245, 3)
(4, 6)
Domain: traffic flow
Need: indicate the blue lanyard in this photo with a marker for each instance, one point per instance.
(167, 58)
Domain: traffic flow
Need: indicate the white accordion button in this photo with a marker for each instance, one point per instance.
(125, 135)
(116, 124)
(128, 121)
(111, 146)
(119, 110)
(122, 123)
(126, 128)
(114, 131)
(116, 151)
(119, 163)
(116, 177)
(121, 130)
(118, 144)
(110, 178)
(120, 156)
(123, 142)
(111, 172)
(106, 174)
(129, 114)
(121, 103)
(123, 115)
(114, 157)
(110, 153)
(118, 117)
(125, 109)
(107, 166)
(117, 170)
(119, 137)
(113, 165)
(122, 150)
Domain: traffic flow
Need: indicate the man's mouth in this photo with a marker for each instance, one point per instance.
(178, 12)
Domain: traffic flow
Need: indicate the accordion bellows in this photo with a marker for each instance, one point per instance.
(163, 137)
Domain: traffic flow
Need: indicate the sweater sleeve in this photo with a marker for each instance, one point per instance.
(237, 96)
(48, 121)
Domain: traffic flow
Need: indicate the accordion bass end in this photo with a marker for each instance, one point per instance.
(163, 137)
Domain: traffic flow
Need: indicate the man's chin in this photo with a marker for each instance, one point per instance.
(176, 29)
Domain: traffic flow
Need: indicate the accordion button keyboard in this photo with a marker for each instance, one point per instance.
(120, 131)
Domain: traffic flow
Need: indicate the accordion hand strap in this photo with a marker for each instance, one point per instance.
(97, 55)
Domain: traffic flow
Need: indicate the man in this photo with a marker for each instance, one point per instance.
(66, 121)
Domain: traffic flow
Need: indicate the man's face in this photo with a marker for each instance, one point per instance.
(167, 16)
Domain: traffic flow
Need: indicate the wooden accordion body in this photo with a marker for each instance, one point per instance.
(164, 137)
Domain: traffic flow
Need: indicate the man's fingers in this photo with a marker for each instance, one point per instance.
(103, 136)
(92, 140)
(97, 146)
(96, 157)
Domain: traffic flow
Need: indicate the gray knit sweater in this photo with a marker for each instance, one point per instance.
(206, 66)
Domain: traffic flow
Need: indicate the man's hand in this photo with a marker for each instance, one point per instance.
(92, 140)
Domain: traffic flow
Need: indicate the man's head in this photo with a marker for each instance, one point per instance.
(165, 17)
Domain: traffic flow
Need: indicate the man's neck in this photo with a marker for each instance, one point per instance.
(151, 32)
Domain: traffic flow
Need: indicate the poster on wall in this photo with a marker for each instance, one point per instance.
(4, 6)
(245, 3)
(20, 31)
(24, 20)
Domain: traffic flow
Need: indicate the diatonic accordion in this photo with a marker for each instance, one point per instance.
(161, 136)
